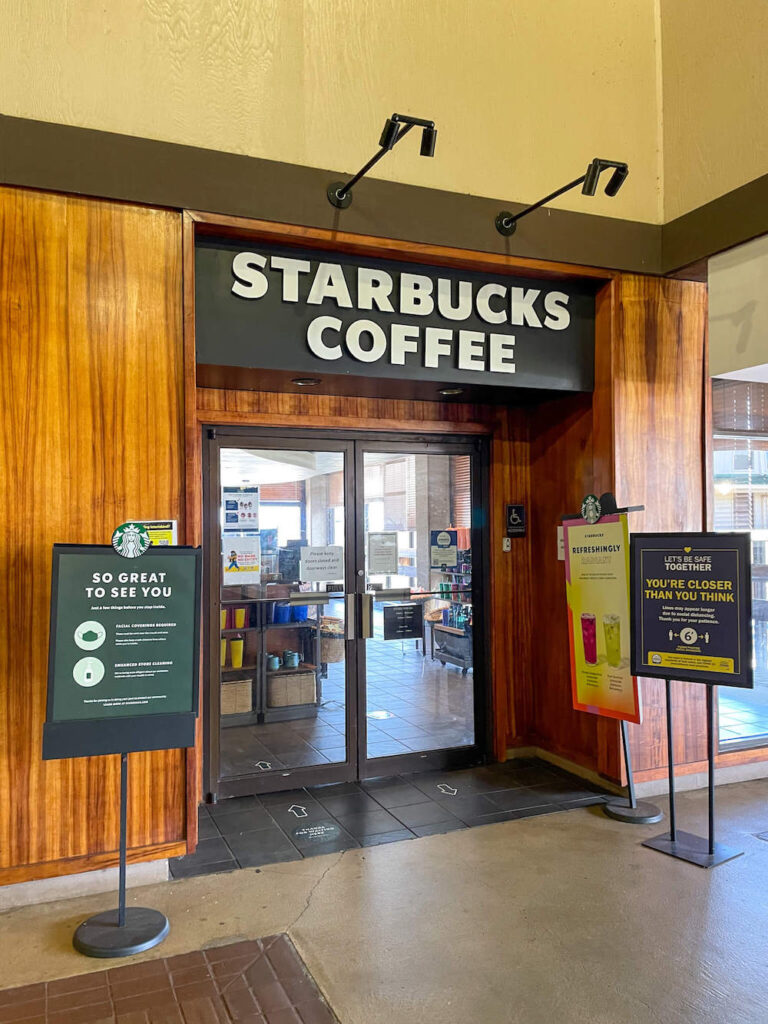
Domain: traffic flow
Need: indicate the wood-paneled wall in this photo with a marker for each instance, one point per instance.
(92, 410)
(656, 399)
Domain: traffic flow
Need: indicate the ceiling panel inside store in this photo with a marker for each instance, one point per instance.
(243, 466)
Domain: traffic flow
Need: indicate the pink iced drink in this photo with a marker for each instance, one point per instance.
(589, 637)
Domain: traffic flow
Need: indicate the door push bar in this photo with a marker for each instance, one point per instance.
(366, 616)
(390, 595)
(350, 601)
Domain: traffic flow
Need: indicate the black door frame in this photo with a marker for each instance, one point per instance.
(352, 444)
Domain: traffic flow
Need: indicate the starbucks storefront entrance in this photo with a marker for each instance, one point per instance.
(344, 640)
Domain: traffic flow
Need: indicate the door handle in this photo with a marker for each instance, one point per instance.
(349, 605)
(391, 595)
(366, 616)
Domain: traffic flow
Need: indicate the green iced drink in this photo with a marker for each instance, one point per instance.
(612, 631)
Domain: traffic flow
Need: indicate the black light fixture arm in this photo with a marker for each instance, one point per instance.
(340, 192)
(506, 221)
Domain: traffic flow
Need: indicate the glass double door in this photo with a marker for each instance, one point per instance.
(345, 625)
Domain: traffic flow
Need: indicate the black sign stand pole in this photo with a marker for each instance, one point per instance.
(125, 931)
(705, 853)
(630, 809)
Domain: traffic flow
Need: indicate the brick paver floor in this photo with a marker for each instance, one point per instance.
(263, 981)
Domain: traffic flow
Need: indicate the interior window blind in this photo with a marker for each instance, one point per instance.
(461, 491)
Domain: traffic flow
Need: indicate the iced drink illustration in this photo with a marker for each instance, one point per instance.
(589, 637)
(612, 630)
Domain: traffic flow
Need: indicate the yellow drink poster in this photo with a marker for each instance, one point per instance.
(597, 588)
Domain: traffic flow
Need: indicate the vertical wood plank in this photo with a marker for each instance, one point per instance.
(91, 387)
(658, 389)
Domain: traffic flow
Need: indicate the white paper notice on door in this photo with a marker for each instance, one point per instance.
(321, 564)
(382, 554)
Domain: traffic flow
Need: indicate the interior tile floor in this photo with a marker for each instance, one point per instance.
(252, 831)
(742, 715)
(561, 918)
(413, 703)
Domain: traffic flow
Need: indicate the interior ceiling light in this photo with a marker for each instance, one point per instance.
(506, 222)
(448, 392)
(340, 192)
(305, 382)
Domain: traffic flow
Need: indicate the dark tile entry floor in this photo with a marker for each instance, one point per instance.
(263, 981)
(251, 831)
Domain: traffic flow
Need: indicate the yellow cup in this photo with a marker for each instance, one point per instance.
(237, 653)
(223, 618)
(224, 653)
(239, 618)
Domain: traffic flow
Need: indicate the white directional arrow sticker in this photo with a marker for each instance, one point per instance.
(300, 812)
(265, 766)
(448, 790)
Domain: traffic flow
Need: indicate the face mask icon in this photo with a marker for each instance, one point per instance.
(89, 636)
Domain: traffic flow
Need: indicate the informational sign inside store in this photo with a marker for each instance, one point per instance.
(692, 607)
(240, 509)
(597, 590)
(403, 621)
(444, 549)
(321, 563)
(279, 308)
(123, 650)
(241, 560)
(382, 554)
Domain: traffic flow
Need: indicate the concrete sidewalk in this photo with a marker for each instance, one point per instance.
(561, 918)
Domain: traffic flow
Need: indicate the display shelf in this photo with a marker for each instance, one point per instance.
(227, 670)
(300, 624)
(245, 718)
(440, 628)
(290, 713)
(302, 667)
(301, 634)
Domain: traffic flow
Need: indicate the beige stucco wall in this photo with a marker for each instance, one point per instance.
(524, 92)
(715, 98)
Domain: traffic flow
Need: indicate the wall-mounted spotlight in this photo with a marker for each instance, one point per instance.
(340, 192)
(506, 222)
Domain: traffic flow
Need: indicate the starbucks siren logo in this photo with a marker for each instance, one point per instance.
(130, 540)
(590, 509)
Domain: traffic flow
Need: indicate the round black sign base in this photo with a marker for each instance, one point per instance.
(643, 814)
(100, 935)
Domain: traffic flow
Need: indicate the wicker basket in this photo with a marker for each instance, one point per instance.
(331, 640)
(291, 688)
(236, 697)
(331, 649)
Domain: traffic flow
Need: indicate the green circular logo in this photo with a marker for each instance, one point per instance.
(130, 540)
(590, 509)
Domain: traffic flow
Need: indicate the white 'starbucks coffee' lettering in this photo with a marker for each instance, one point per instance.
(273, 307)
(417, 295)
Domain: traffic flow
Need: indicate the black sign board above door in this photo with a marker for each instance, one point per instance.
(692, 607)
(276, 308)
